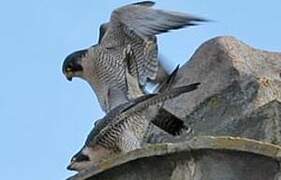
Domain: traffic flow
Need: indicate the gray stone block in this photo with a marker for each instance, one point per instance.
(237, 82)
(226, 62)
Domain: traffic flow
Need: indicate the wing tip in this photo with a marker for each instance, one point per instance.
(185, 19)
(144, 3)
(188, 88)
(175, 71)
(200, 19)
(173, 75)
(195, 85)
(167, 83)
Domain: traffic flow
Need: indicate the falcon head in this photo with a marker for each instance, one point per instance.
(72, 65)
(79, 161)
(88, 157)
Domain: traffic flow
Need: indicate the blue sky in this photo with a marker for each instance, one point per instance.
(45, 118)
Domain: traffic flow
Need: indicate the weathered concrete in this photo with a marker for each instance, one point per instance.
(212, 158)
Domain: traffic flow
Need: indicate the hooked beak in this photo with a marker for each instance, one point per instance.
(69, 78)
(72, 65)
(68, 75)
(69, 167)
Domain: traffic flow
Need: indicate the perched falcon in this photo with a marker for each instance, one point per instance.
(122, 130)
(131, 28)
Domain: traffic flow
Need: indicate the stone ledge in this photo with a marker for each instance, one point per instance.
(187, 152)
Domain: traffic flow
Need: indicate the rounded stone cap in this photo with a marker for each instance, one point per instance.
(203, 157)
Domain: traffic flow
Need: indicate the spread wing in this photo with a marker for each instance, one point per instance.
(145, 102)
(145, 21)
(137, 24)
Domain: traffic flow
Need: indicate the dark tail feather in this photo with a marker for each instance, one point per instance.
(169, 122)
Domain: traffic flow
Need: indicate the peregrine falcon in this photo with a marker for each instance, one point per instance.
(122, 130)
(131, 28)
